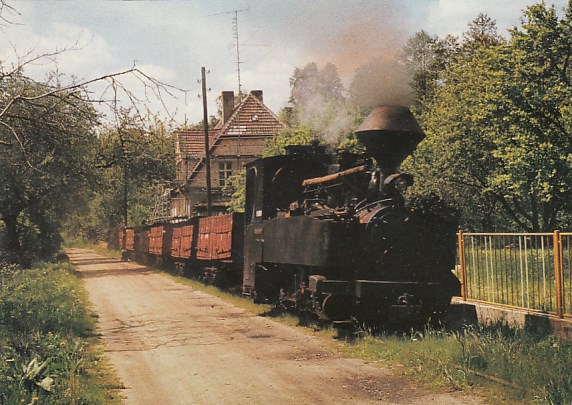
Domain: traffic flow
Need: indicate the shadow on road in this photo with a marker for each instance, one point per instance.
(95, 267)
(90, 261)
(114, 271)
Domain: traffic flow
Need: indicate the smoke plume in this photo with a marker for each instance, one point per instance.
(366, 52)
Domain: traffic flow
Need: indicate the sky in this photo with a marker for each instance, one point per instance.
(171, 40)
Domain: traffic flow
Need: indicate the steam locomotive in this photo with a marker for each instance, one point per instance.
(331, 235)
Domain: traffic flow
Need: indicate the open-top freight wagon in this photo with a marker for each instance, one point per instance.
(207, 248)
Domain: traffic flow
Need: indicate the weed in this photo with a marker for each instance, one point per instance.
(500, 362)
(44, 327)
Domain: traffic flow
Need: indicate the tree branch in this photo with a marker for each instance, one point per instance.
(22, 147)
(4, 9)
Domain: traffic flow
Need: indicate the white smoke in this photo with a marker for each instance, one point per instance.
(332, 120)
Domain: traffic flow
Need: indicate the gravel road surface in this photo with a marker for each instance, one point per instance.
(171, 344)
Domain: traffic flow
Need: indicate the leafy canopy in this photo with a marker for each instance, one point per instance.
(498, 126)
(46, 161)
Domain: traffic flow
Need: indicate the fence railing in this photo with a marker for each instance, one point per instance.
(531, 271)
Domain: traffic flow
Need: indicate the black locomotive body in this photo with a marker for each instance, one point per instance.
(332, 235)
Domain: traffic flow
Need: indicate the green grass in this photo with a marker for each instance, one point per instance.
(502, 364)
(99, 248)
(234, 299)
(48, 350)
(517, 271)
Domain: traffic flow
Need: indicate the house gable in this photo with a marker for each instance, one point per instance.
(239, 138)
(251, 119)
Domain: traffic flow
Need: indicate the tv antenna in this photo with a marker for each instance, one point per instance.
(238, 62)
(237, 44)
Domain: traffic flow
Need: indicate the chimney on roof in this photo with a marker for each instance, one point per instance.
(257, 94)
(227, 105)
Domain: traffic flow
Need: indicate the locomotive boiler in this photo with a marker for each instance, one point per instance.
(332, 235)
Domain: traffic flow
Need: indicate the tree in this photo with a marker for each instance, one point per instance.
(47, 139)
(540, 96)
(310, 82)
(419, 55)
(134, 157)
(427, 58)
(318, 100)
(235, 188)
(290, 136)
(482, 32)
(498, 128)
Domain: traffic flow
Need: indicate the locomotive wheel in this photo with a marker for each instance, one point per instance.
(438, 315)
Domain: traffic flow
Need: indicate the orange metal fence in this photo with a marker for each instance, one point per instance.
(532, 271)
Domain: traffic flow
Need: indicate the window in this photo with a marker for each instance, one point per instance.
(224, 172)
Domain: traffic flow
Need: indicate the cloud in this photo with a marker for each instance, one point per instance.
(270, 75)
(174, 39)
(161, 73)
(69, 48)
(453, 16)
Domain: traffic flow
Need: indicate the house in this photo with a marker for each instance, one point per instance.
(239, 138)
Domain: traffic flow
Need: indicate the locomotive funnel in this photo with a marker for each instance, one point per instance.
(390, 134)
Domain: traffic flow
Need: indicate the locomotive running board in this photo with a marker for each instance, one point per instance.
(361, 288)
(369, 288)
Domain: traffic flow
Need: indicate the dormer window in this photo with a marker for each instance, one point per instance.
(254, 117)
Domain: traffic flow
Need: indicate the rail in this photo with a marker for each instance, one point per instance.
(531, 271)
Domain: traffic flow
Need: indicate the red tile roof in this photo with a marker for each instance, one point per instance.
(192, 142)
(250, 118)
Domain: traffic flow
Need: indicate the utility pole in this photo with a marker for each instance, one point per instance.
(125, 197)
(207, 149)
(124, 168)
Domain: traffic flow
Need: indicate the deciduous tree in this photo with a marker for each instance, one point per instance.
(318, 100)
(46, 156)
(499, 126)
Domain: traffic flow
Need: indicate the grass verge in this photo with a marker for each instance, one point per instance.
(234, 299)
(48, 350)
(502, 364)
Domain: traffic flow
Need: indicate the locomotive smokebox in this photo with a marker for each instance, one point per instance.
(390, 134)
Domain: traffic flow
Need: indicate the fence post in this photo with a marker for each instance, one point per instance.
(558, 275)
(462, 265)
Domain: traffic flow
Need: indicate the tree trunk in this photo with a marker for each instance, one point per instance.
(12, 237)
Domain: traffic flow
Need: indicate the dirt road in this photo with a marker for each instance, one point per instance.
(171, 344)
